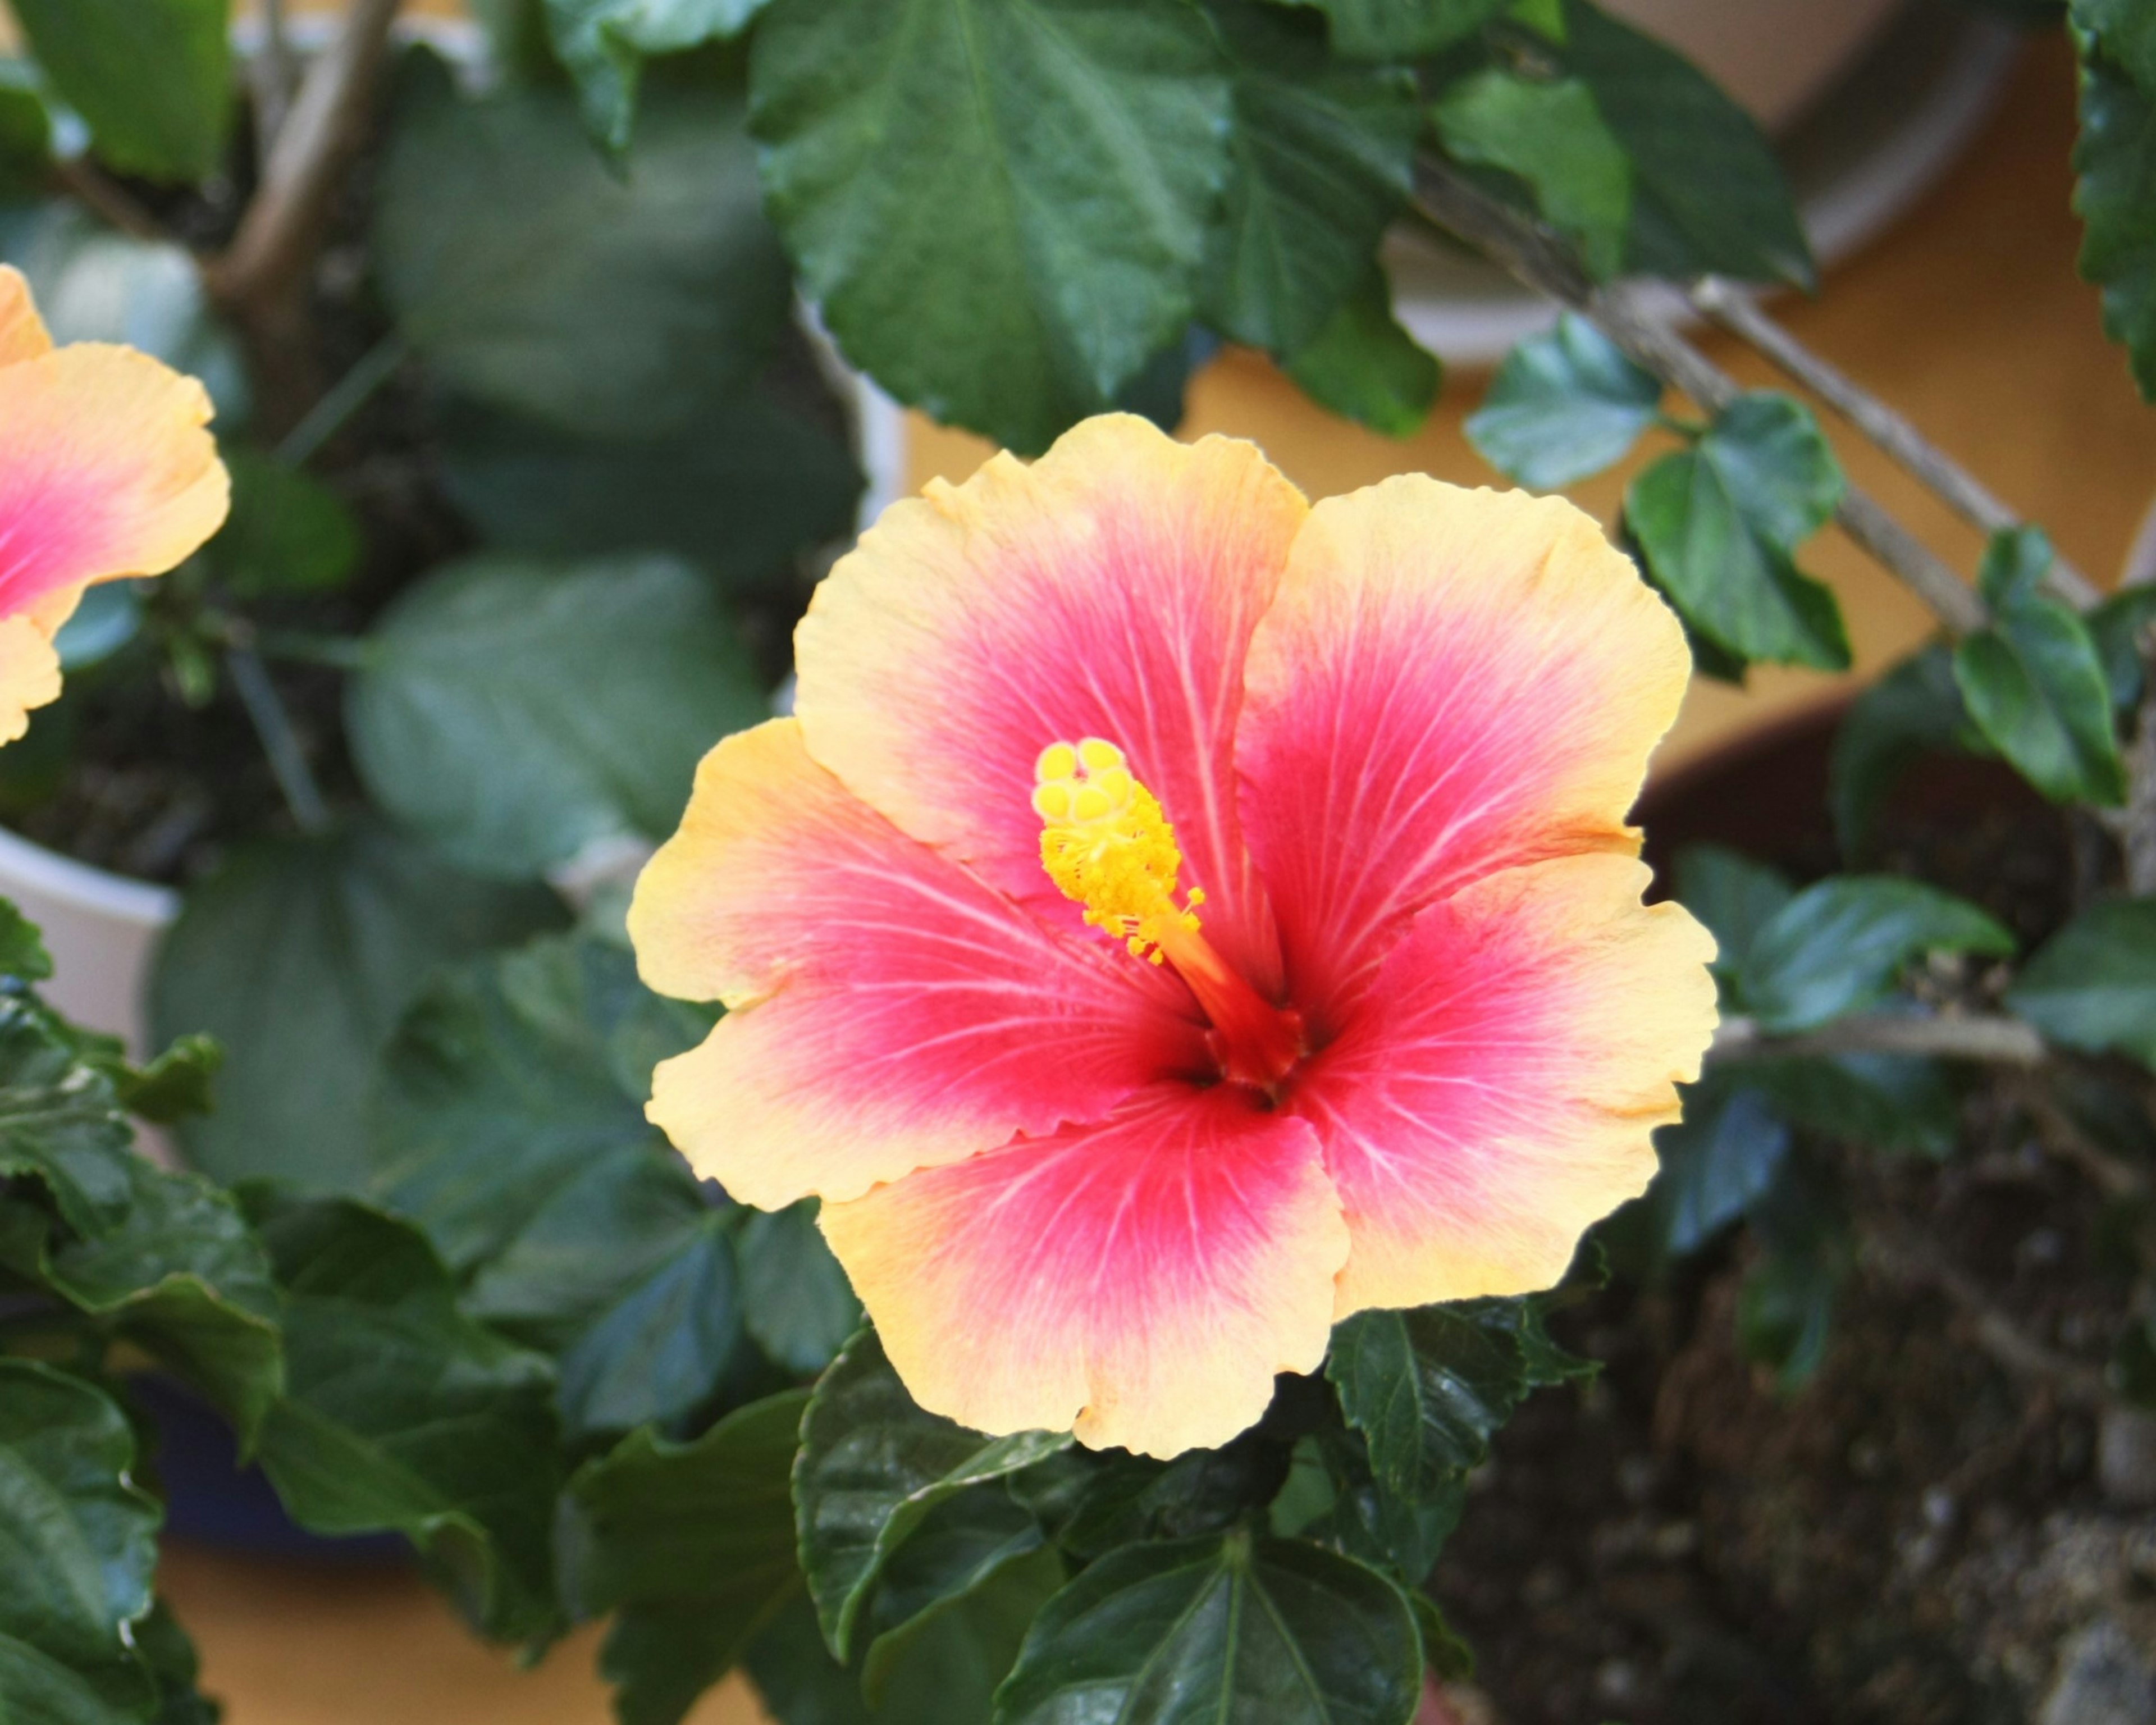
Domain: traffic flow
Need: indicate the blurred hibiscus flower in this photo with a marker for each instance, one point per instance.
(105, 471)
(1178, 917)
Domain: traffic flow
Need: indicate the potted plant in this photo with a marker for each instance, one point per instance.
(536, 472)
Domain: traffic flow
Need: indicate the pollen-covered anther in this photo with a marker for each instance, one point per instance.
(1106, 844)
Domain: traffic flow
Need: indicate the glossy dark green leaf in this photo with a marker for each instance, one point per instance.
(796, 1300)
(60, 1125)
(1733, 896)
(1365, 1518)
(1915, 710)
(153, 78)
(1427, 1388)
(180, 1275)
(1840, 945)
(517, 713)
(2115, 192)
(165, 1649)
(536, 279)
(1000, 209)
(287, 532)
(1324, 156)
(873, 1465)
(2033, 683)
(692, 1544)
(514, 1081)
(80, 1538)
(2092, 985)
(1895, 1103)
(26, 131)
(1563, 406)
(741, 491)
(176, 1084)
(974, 1548)
(23, 953)
(1403, 29)
(1551, 133)
(604, 44)
(402, 1414)
(1092, 1503)
(300, 956)
(1708, 194)
(1225, 1630)
(1718, 524)
(1364, 367)
(1716, 1163)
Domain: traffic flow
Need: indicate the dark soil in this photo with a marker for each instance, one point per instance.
(1922, 1536)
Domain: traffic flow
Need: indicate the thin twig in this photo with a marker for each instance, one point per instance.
(1542, 260)
(1989, 1040)
(1908, 1261)
(2064, 1137)
(90, 186)
(272, 77)
(280, 739)
(1735, 310)
(341, 400)
(270, 254)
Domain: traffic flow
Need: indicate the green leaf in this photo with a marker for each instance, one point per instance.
(798, 1304)
(1225, 1630)
(873, 1465)
(2035, 683)
(742, 490)
(961, 1546)
(61, 1125)
(1364, 367)
(1839, 945)
(1444, 1655)
(1366, 1519)
(1893, 1102)
(1718, 523)
(1717, 1163)
(1403, 29)
(1708, 194)
(182, 1277)
(534, 279)
(2117, 626)
(300, 956)
(153, 78)
(692, 1544)
(2092, 985)
(401, 1413)
(1785, 1308)
(171, 1657)
(604, 44)
(26, 131)
(1001, 209)
(80, 1538)
(1915, 710)
(1563, 406)
(2127, 28)
(1324, 157)
(23, 954)
(1734, 896)
(517, 713)
(287, 532)
(176, 1085)
(1551, 133)
(2115, 189)
(512, 1082)
(1427, 1388)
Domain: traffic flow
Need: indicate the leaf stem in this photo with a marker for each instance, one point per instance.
(1541, 258)
(1989, 1038)
(1734, 309)
(341, 400)
(280, 739)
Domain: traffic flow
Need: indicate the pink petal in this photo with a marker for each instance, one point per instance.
(1142, 1279)
(1108, 590)
(889, 1012)
(1450, 683)
(1496, 1092)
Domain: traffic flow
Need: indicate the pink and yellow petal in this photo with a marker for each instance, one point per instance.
(1140, 1282)
(1449, 683)
(888, 1011)
(105, 470)
(1497, 1091)
(1108, 590)
(22, 333)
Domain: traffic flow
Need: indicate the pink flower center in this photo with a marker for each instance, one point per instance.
(1107, 846)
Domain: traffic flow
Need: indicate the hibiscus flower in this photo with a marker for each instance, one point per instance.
(105, 471)
(1178, 917)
